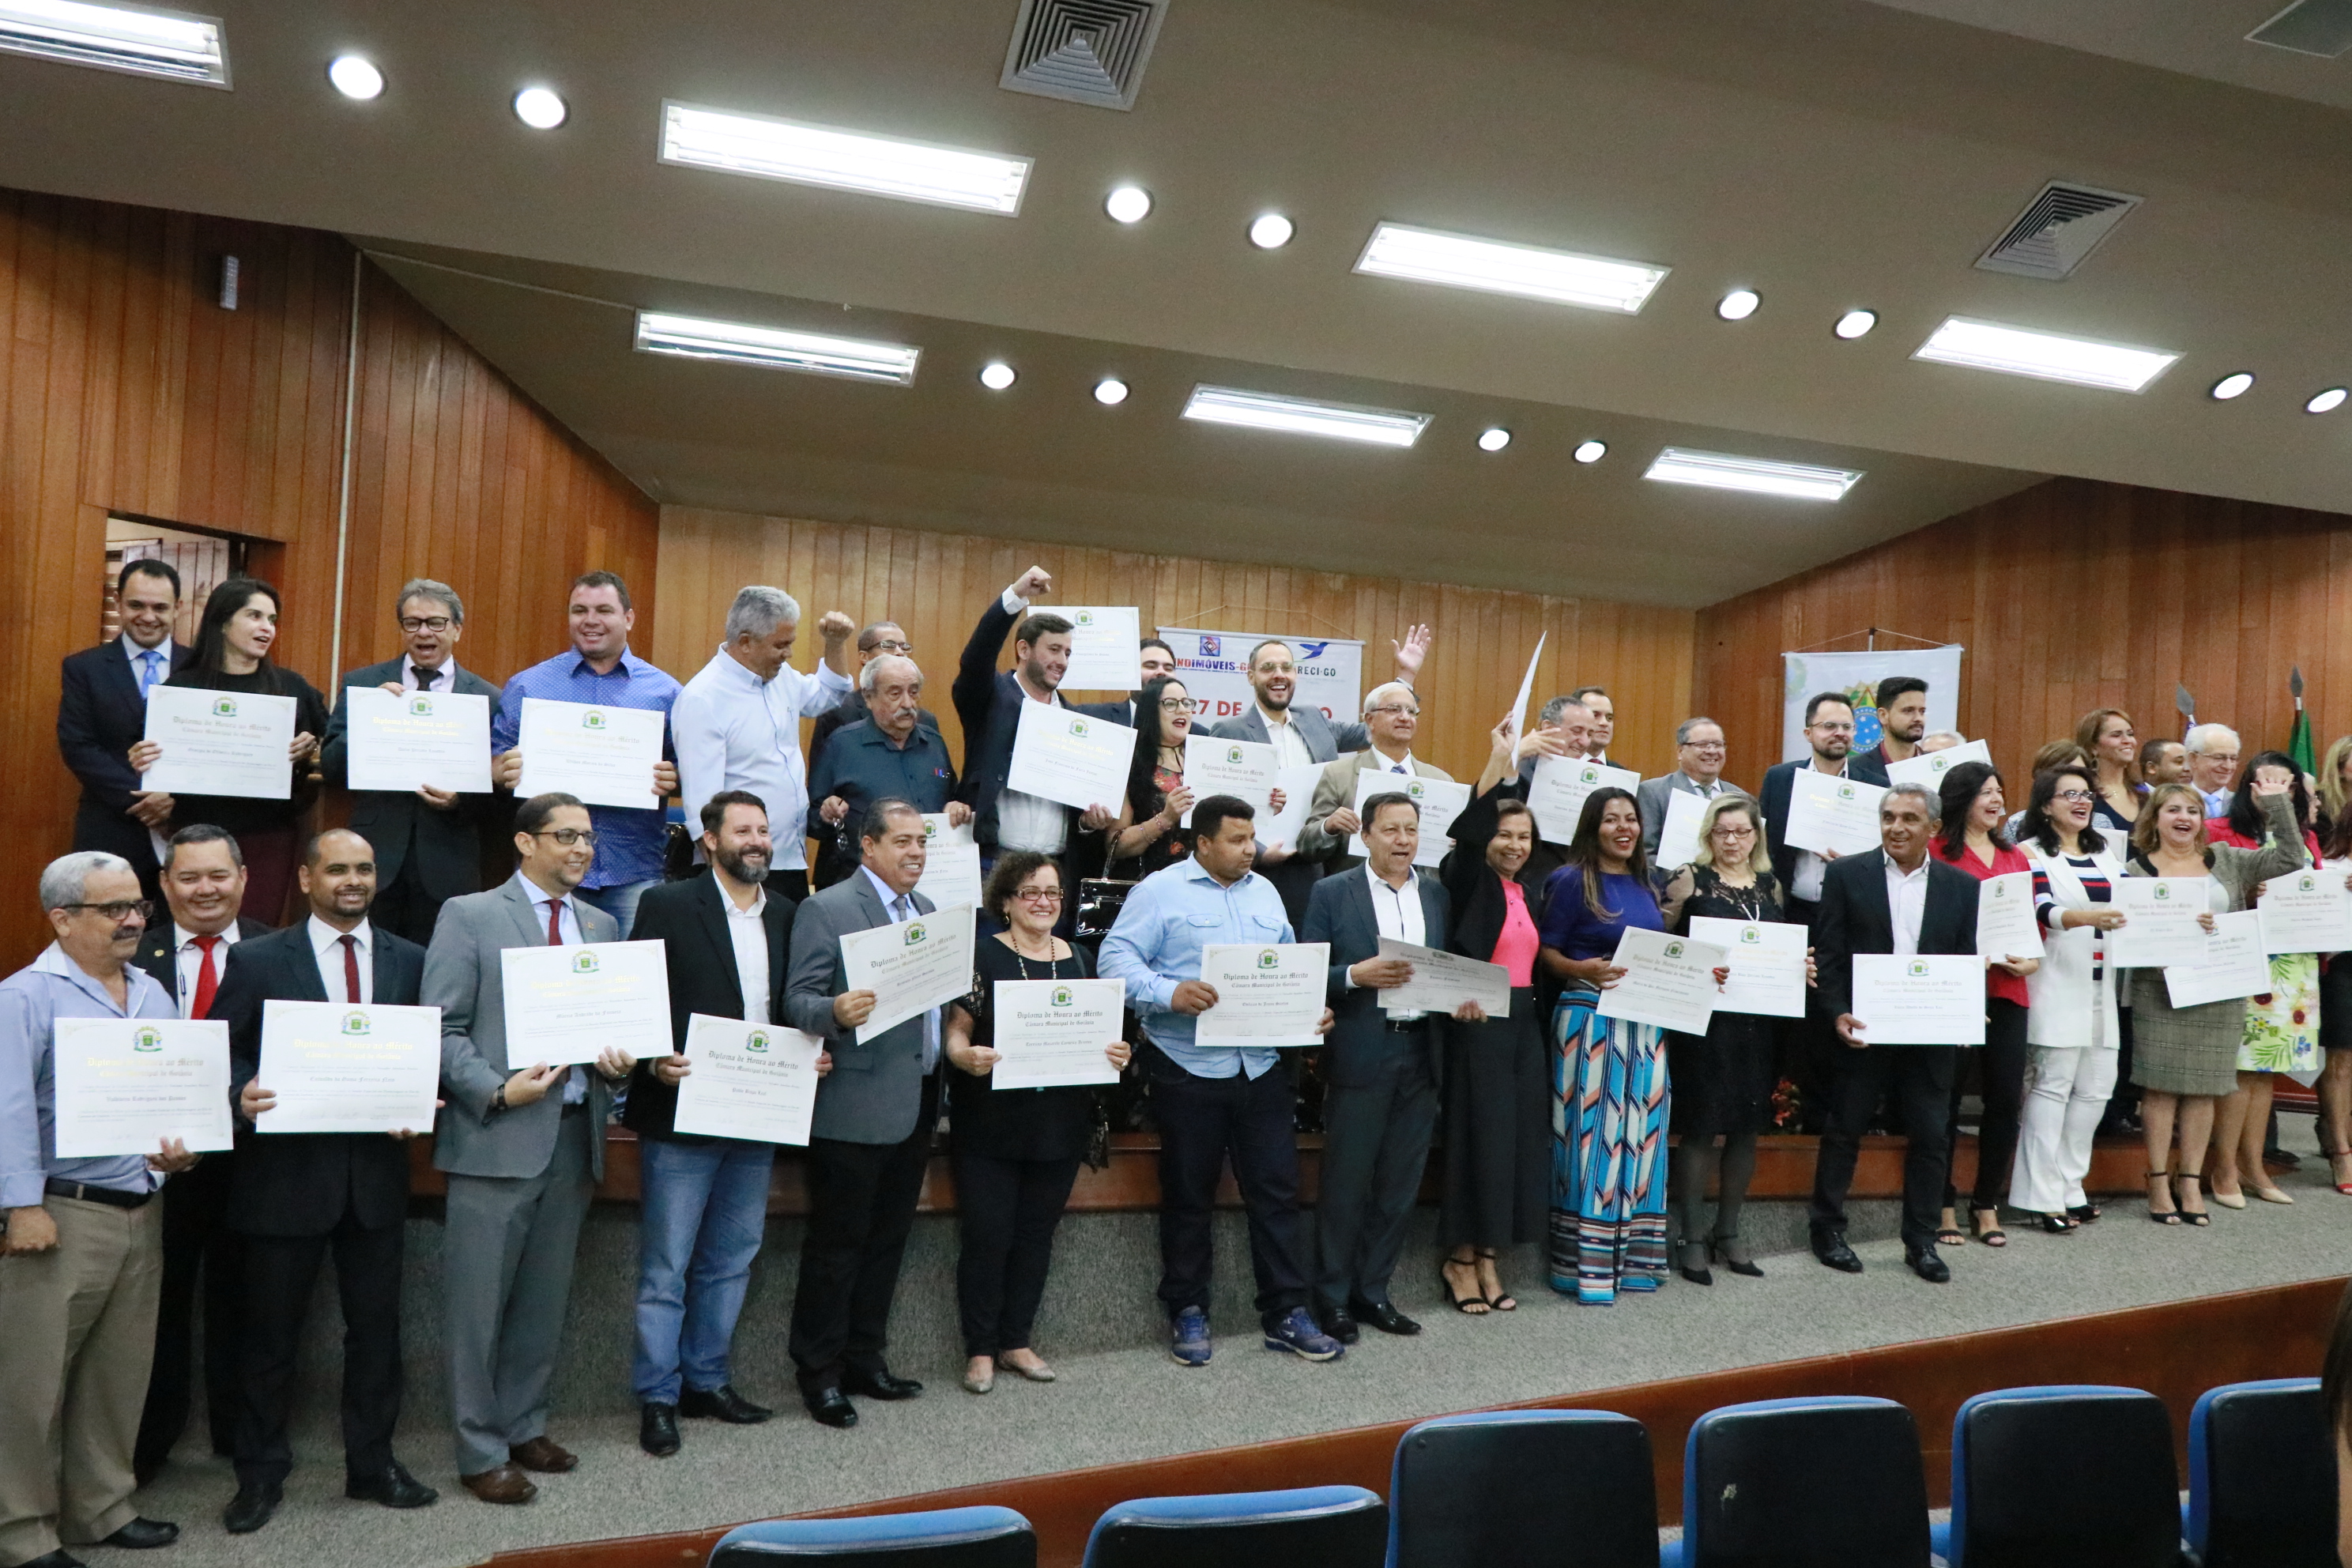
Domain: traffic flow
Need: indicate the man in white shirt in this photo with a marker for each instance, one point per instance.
(1392, 720)
(1829, 734)
(737, 724)
(2213, 751)
(102, 713)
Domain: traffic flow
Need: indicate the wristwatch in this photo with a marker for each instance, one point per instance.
(499, 1100)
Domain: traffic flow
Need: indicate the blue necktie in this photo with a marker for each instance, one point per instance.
(147, 661)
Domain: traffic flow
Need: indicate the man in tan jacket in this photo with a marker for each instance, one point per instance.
(1392, 716)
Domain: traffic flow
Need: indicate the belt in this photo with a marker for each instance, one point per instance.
(573, 1108)
(1405, 1025)
(114, 1197)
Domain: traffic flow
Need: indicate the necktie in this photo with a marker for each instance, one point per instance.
(149, 661)
(351, 967)
(555, 922)
(426, 678)
(207, 977)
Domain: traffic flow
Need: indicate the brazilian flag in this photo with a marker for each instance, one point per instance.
(2298, 745)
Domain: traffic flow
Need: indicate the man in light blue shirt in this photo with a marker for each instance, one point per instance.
(1212, 1101)
(83, 1244)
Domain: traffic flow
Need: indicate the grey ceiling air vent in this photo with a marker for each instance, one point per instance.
(1082, 51)
(2322, 27)
(2057, 230)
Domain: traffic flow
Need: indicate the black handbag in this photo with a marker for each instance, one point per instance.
(1099, 900)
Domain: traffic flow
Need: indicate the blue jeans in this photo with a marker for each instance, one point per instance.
(620, 901)
(704, 1207)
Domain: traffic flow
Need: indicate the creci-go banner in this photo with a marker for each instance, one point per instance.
(1857, 675)
(1214, 668)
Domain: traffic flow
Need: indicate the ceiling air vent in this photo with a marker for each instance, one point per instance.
(2057, 230)
(1083, 51)
(2322, 27)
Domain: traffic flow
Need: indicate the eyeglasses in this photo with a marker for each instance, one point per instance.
(426, 623)
(1178, 705)
(568, 836)
(890, 646)
(1703, 745)
(2074, 795)
(1038, 895)
(120, 908)
(1275, 670)
(1726, 830)
(1408, 712)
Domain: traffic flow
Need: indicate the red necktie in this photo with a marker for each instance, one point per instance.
(555, 922)
(350, 965)
(207, 978)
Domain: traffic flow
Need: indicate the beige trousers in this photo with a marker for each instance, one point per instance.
(80, 1335)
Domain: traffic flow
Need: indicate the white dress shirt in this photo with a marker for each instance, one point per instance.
(748, 929)
(139, 662)
(900, 908)
(1383, 763)
(1906, 901)
(414, 680)
(1030, 821)
(575, 1082)
(327, 945)
(1397, 912)
(1290, 746)
(1805, 881)
(733, 731)
(190, 963)
(1703, 791)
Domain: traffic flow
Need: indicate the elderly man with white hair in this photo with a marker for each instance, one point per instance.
(2213, 753)
(1392, 717)
(737, 724)
(890, 755)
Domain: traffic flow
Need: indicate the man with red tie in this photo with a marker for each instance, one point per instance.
(203, 886)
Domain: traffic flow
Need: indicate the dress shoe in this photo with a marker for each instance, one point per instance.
(1928, 1267)
(1338, 1323)
(657, 1430)
(1035, 1370)
(831, 1407)
(391, 1486)
(251, 1509)
(500, 1483)
(60, 1558)
(879, 1384)
(722, 1404)
(543, 1454)
(1830, 1246)
(141, 1534)
(1384, 1316)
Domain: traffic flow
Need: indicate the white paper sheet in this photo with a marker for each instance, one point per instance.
(125, 1085)
(911, 967)
(436, 738)
(604, 755)
(220, 744)
(753, 1081)
(1071, 758)
(565, 1004)
(1105, 652)
(339, 1067)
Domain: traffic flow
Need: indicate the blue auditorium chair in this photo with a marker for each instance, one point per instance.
(2072, 1476)
(2262, 1477)
(1829, 1483)
(1512, 1489)
(1311, 1527)
(945, 1538)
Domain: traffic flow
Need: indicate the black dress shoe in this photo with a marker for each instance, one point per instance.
(60, 1558)
(1338, 1323)
(251, 1509)
(392, 1485)
(1384, 1317)
(879, 1384)
(1831, 1248)
(142, 1534)
(722, 1404)
(830, 1407)
(1928, 1267)
(657, 1430)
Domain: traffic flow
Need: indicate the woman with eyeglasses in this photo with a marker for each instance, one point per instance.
(1148, 834)
(1014, 1152)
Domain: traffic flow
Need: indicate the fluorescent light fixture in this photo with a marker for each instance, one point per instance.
(1128, 204)
(1298, 417)
(1465, 261)
(1591, 451)
(1722, 471)
(776, 348)
(996, 375)
(1110, 392)
(140, 39)
(1856, 323)
(772, 149)
(355, 76)
(2045, 356)
(540, 108)
(1271, 231)
(2237, 384)
(1738, 305)
(2325, 402)
(1494, 438)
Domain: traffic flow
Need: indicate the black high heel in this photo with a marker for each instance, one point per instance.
(2163, 1216)
(1727, 1250)
(2189, 1215)
(1468, 1305)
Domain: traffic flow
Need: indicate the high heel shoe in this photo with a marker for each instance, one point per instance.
(1502, 1300)
(1733, 1254)
(2193, 1216)
(2163, 1216)
(2334, 1155)
(1468, 1305)
(1996, 1237)
(1693, 1266)
(2054, 1223)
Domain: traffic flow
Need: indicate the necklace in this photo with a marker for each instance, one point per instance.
(1021, 958)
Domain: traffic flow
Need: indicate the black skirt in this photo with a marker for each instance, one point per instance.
(1497, 1113)
(1722, 1082)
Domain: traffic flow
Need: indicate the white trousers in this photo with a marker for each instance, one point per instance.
(2066, 1092)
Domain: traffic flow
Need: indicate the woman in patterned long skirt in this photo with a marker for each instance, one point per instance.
(1608, 1107)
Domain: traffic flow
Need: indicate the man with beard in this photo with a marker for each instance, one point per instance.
(1902, 719)
(705, 1200)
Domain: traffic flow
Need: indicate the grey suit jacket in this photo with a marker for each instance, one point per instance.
(1324, 739)
(1651, 795)
(875, 1090)
(465, 979)
(1360, 1043)
(1337, 788)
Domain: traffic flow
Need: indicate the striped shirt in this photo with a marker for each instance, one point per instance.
(2096, 886)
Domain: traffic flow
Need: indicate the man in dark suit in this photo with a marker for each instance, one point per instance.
(203, 886)
(870, 1141)
(1384, 1069)
(102, 713)
(705, 1199)
(1828, 729)
(296, 1196)
(1897, 899)
(427, 841)
(1158, 660)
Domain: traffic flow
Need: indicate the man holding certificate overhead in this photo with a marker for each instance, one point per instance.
(298, 1194)
(1895, 900)
(82, 1254)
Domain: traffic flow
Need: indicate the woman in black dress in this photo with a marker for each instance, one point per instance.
(1014, 1152)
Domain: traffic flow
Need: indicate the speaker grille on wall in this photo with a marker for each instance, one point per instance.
(2322, 27)
(2057, 230)
(1082, 51)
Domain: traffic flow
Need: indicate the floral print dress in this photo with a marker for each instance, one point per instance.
(2283, 1023)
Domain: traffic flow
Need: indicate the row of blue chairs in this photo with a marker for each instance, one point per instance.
(2068, 1476)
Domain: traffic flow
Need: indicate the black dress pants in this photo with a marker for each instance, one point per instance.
(405, 908)
(2000, 1066)
(280, 1272)
(1006, 1210)
(861, 1200)
(1918, 1079)
(1201, 1120)
(199, 1248)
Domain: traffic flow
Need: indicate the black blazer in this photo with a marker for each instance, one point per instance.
(690, 918)
(1774, 799)
(1339, 912)
(447, 845)
(1855, 917)
(988, 703)
(303, 1184)
(100, 715)
(155, 955)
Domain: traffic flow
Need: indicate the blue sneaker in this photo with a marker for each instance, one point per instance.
(1299, 1334)
(1188, 1338)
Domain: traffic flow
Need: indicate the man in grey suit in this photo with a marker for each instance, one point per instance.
(870, 1141)
(523, 1148)
(1699, 771)
(1383, 1067)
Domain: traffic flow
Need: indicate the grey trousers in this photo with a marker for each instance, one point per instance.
(506, 1279)
(1375, 1142)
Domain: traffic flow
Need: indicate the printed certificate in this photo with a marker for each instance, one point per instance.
(220, 743)
(1052, 1032)
(436, 738)
(1444, 981)
(950, 864)
(1669, 981)
(604, 755)
(336, 1066)
(2160, 921)
(2006, 925)
(1932, 999)
(911, 967)
(753, 1081)
(1440, 801)
(1070, 757)
(1557, 791)
(565, 1004)
(2234, 964)
(1928, 768)
(1251, 770)
(1106, 651)
(1767, 965)
(125, 1085)
(1826, 812)
(1266, 996)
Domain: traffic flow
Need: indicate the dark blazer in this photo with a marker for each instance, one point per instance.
(1855, 917)
(100, 715)
(1339, 912)
(1325, 740)
(447, 845)
(302, 1183)
(988, 701)
(1120, 712)
(156, 958)
(1775, 802)
(690, 918)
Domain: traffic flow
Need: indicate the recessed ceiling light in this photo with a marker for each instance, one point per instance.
(1271, 231)
(1300, 416)
(770, 148)
(1856, 323)
(540, 108)
(1494, 438)
(1591, 451)
(176, 45)
(1723, 471)
(2237, 384)
(1110, 392)
(355, 76)
(996, 375)
(1128, 204)
(2045, 356)
(776, 348)
(1738, 305)
(2325, 402)
(1464, 261)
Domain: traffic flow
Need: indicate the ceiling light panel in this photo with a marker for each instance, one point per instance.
(1724, 471)
(1591, 451)
(787, 150)
(540, 108)
(1494, 267)
(355, 76)
(177, 45)
(776, 348)
(2045, 356)
(1300, 416)
(1271, 231)
(1855, 324)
